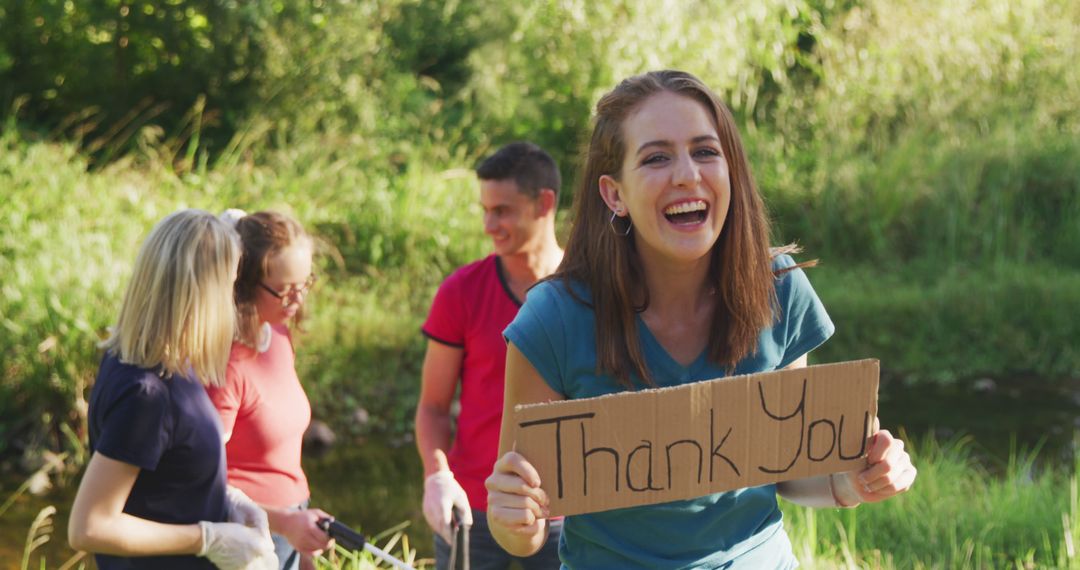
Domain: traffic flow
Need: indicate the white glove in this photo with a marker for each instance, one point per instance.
(264, 562)
(241, 509)
(232, 546)
(441, 494)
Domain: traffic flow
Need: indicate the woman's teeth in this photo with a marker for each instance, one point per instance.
(687, 212)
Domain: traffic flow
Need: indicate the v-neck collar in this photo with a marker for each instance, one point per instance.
(501, 272)
(662, 363)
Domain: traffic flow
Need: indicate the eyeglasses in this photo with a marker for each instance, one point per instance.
(293, 291)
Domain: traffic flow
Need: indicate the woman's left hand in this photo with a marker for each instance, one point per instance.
(243, 510)
(889, 472)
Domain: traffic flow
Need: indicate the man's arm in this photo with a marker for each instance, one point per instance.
(442, 493)
(439, 378)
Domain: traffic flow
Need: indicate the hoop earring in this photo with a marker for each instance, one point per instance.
(629, 225)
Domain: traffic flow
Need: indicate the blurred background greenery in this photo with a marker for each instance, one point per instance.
(927, 153)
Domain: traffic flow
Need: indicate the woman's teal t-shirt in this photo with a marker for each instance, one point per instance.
(737, 529)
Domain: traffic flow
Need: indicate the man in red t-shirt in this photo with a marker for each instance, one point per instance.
(519, 187)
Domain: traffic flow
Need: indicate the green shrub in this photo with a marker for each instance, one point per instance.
(927, 153)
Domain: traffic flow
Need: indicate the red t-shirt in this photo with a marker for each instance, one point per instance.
(471, 309)
(267, 411)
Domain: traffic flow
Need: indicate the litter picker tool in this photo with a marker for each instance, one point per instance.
(459, 543)
(353, 540)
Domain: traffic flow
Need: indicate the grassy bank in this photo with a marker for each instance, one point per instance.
(958, 515)
(962, 513)
(928, 153)
(949, 323)
(69, 236)
(936, 175)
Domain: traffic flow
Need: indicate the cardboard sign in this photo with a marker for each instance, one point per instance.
(654, 446)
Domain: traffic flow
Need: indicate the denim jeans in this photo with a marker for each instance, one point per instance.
(486, 554)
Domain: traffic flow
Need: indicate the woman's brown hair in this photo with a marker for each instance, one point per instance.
(263, 235)
(608, 264)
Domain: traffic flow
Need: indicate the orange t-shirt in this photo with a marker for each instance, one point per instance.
(266, 410)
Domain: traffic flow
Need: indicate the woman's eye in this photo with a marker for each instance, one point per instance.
(707, 152)
(654, 159)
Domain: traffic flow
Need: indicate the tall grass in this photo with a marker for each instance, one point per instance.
(964, 512)
(1010, 194)
(935, 133)
(940, 185)
(69, 237)
(392, 541)
(39, 534)
(946, 323)
(960, 514)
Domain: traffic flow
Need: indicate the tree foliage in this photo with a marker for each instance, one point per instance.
(919, 145)
(98, 71)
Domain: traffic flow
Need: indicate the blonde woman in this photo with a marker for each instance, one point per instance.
(154, 494)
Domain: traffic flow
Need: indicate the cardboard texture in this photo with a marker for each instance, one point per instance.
(654, 446)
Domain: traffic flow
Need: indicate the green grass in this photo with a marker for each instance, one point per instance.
(937, 180)
(964, 512)
(69, 235)
(394, 542)
(958, 515)
(926, 152)
(954, 322)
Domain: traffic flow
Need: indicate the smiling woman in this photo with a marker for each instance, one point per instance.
(674, 185)
(686, 290)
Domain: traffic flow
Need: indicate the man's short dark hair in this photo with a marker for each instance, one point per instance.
(526, 164)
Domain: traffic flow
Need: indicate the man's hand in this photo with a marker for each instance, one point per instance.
(442, 493)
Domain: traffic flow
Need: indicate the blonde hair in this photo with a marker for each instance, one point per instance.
(177, 312)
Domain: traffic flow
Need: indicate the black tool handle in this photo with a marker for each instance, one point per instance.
(344, 535)
(459, 547)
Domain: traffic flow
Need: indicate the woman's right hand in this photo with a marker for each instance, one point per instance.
(516, 502)
(233, 546)
(301, 529)
(518, 508)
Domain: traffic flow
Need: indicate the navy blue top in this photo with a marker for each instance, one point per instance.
(168, 428)
(738, 529)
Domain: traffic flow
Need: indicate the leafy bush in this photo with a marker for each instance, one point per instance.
(926, 152)
(99, 71)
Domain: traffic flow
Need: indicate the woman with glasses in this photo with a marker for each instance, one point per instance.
(154, 494)
(263, 407)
